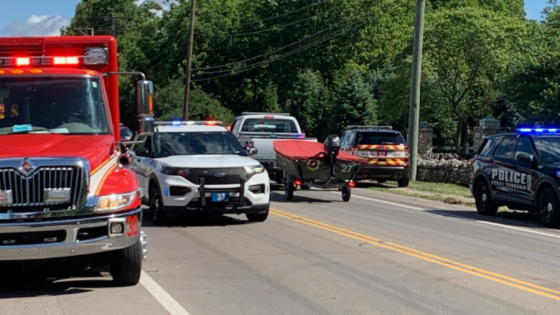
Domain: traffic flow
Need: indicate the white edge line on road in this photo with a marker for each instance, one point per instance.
(459, 217)
(172, 306)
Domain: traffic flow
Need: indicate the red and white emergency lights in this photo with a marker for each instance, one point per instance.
(92, 56)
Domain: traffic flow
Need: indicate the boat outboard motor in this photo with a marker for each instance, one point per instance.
(332, 148)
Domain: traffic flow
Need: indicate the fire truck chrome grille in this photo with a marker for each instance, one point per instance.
(58, 188)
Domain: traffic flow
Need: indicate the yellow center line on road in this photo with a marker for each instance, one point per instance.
(492, 276)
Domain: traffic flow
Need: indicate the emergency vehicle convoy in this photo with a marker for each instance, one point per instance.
(66, 194)
(199, 166)
(384, 149)
(519, 170)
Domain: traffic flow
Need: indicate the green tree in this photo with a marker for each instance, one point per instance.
(354, 104)
(308, 103)
(469, 50)
(168, 101)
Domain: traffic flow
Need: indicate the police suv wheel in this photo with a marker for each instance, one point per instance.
(157, 215)
(483, 199)
(548, 208)
(258, 217)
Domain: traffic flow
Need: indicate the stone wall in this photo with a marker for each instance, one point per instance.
(443, 168)
(481, 132)
(425, 140)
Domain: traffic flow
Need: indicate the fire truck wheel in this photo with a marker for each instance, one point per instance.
(346, 193)
(157, 214)
(127, 265)
(403, 182)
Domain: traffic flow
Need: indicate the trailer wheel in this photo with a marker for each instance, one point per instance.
(289, 189)
(127, 265)
(346, 193)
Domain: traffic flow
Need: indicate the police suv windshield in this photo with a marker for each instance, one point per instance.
(196, 143)
(52, 104)
(548, 148)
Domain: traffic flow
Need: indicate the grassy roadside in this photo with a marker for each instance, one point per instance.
(447, 193)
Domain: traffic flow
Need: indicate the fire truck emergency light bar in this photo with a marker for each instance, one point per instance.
(190, 122)
(538, 130)
(92, 56)
(352, 127)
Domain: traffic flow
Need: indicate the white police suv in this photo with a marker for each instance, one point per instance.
(199, 166)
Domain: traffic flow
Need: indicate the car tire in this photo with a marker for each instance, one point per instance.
(403, 182)
(258, 217)
(346, 193)
(126, 267)
(157, 212)
(483, 199)
(548, 208)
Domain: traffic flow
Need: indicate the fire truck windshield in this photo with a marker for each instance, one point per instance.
(52, 104)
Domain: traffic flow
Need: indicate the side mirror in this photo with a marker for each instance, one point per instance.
(251, 151)
(145, 107)
(142, 152)
(524, 157)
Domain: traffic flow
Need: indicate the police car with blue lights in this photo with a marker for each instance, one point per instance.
(519, 170)
(199, 166)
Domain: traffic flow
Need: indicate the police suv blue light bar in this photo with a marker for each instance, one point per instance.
(537, 130)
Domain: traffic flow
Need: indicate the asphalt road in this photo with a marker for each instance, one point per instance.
(377, 254)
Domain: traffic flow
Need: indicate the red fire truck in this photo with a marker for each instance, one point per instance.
(66, 193)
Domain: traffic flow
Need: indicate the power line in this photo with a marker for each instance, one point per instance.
(285, 55)
(184, 39)
(276, 28)
(281, 48)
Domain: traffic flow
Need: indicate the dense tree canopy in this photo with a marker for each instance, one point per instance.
(338, 62)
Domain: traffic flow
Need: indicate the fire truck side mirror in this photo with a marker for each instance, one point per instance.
(144, 106)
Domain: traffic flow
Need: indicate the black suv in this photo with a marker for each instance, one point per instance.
(519, 170)
(384, 149)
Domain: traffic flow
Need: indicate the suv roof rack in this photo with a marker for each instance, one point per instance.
(263, 113)
(352, 127)
(188, 123)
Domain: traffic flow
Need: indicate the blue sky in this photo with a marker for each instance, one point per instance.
(46, 17)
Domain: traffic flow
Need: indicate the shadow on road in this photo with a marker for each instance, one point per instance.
(196, 220)
(279, 197)
(517, 218)
(18, 285)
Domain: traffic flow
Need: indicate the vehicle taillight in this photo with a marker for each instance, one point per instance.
(269, 116)
(354, 148)
(406, 152)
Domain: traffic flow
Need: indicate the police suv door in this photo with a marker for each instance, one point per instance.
(526, 169)
(502, 177)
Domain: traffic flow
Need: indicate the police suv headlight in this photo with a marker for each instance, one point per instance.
(116, 202)
(254, 169)
(177, 171)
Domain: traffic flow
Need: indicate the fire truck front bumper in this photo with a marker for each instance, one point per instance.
(27, 241)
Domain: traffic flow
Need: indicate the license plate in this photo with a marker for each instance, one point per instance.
(220, 197)
(381, 153)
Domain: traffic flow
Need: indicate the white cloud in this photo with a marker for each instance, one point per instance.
(36, 25)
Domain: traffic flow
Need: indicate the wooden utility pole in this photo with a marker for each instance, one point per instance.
(414, 112)
(189, 60)
(113, 29)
